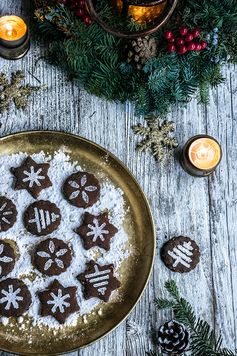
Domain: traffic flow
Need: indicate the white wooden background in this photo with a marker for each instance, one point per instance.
(203, 208)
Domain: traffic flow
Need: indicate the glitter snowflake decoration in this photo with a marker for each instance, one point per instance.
(156, 138)
(33, 177)
(97, 231)
(13, 91)
(11, 297)
(59, 301)
(82, 189)
(50, 256)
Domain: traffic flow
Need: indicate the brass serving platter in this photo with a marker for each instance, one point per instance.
(134, 272)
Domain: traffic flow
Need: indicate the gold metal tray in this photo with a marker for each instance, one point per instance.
(134, 272)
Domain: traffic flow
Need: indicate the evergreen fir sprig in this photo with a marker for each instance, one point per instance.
(203, 340)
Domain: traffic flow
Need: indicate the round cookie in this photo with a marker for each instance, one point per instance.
(42, 218)
(8, 214)
(7, 258)
(15, 297)
(81, 189)
(180, 254)
(52, 257)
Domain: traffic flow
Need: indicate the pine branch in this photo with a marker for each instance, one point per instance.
(204, 340)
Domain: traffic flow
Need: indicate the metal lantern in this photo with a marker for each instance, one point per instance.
(153, 13)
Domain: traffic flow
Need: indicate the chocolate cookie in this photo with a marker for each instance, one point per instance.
(8, 214)
(180, 254)
(96, 231)
(42, 217)
(52, 257)
(82, 189)
(58, 301)
(15, 297)
(32, 176)
(7, 258)
(98, 281)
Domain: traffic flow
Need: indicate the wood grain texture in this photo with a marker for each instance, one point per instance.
(203, 208)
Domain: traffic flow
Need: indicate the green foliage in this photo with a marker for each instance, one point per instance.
(96, 59)
(203, 340)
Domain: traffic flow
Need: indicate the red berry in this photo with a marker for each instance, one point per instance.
(203, 44)
(198, 46)
(79, 12)
(179, 41)
(183, 31)
(82, 3)
(189, 37)
(196, 32)
(191, 46)
(171, 48)
(182, 49)
(168, 35)
(87, 20)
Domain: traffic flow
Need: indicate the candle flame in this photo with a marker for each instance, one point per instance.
(12, 28)
(204, 153)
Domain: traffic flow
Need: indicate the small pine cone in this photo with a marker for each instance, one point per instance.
(173, 337)
(140, 50)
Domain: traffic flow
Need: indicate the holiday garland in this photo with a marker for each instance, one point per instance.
(182, 60)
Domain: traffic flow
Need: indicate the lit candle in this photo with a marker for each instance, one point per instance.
(201, 155)
(14, 37)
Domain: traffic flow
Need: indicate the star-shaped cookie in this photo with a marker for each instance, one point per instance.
(98, 281)
(96, 231)
(32, 176)
(58, 301)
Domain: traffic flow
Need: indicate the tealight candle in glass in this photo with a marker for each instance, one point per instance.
(14, 37)
(201, 155)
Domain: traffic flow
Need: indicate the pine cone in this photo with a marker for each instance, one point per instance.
(173, 337)
(139, 50)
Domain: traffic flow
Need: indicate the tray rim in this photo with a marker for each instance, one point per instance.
(144, 197)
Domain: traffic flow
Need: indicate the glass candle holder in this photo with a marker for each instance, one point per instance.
(201, 155)
(14, 37)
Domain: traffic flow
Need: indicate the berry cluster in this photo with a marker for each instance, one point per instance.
(79, 8)
(185, 41)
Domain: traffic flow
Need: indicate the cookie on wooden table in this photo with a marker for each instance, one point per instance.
(7, 258)
(96, 231)
(58, 301)
(32, 176)
(42, 218)
(15, 297)
(98, 281)
(52, 257)
(8, 214)
(81, 189)
(180, 254)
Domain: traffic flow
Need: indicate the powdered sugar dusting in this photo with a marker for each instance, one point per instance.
(111, 199)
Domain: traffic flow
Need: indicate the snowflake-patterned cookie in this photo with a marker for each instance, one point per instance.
(7, 258)
(58, 301)
(15, 297)
(52, 257)
(32, 176)
(42, 217)
(82, 189)
(98, 281)
(96, 231)
(8, 214)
